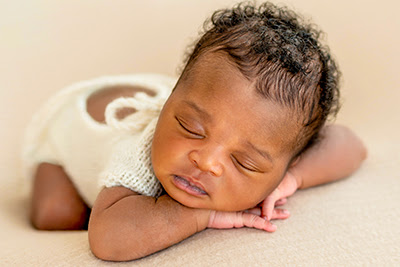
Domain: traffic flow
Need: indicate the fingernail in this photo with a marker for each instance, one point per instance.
(285, 212)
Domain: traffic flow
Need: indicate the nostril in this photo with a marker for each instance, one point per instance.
(193, 158)
(216, 170)
(206, 163)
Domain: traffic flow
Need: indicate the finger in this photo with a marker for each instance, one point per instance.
(254, 221)
(255, 211)
(268, 207)
(280, 214)
(281, 202)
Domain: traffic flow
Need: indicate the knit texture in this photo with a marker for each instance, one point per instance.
(131, 167)
(130, 164)
(95, 154)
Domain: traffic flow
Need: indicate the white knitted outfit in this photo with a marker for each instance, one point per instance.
(95, 154)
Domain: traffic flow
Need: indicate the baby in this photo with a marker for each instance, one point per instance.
(243, 128)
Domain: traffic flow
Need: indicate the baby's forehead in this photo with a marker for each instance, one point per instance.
(213, 72)
(210, 63)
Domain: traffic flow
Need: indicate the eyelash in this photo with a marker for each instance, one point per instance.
(243, 166)
(186, 129)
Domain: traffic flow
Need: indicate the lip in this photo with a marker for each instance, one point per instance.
(189, 185)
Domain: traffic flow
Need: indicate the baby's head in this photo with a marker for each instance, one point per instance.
(254, 94)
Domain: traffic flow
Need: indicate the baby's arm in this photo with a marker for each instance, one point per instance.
(336, 156)
(126, 226)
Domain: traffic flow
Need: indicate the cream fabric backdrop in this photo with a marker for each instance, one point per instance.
(46, 45)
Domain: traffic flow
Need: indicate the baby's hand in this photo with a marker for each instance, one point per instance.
(278, 197)
(249, 218)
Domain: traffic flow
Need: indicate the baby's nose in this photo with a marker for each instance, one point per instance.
(207, 161)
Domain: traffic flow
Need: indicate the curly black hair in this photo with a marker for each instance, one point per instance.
(283, 54)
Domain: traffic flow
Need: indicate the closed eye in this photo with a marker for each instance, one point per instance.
(243, 166)
(187, 129)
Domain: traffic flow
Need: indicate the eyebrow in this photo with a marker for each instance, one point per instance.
(199, 110)
(263, 153)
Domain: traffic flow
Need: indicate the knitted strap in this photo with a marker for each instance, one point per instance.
(147, 107)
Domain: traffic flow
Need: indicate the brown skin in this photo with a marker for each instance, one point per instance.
(347, 151)
(126, 226)
(142, 224)
(97, 102)
(146, 225)
(56, 204)
(337, 155)
(215, 131)
(204, 148)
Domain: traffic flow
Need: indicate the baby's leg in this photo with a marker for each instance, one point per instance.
(56, 204)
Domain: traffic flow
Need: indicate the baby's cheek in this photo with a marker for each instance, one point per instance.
(243, 196)
(261, 189)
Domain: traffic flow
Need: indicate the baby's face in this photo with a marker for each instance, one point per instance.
(218, 144)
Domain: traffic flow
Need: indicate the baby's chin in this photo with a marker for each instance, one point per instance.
(190, 202)
(207, 201)
(209, 205)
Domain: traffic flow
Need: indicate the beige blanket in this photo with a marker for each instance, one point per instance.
(47, 45)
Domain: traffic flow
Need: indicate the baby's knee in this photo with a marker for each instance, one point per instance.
(53, 215)
(56, 204)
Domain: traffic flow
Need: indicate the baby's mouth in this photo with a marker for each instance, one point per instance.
(187, 186)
